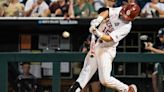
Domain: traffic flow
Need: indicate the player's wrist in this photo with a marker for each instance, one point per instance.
(151, 48)
(100, 19)
(98, 33)
(92, 29)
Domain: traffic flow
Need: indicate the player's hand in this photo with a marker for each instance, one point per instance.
(95, 31)
(94, 22)
(92, 29)
(148, 45)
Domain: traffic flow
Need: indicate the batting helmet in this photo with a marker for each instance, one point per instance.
(160, 32)
(130, 11)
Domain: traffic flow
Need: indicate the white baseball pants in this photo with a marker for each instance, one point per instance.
(103, 62)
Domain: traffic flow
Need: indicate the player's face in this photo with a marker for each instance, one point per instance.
(122, 14)
(161, 38)
(26, 68)
(123, 18)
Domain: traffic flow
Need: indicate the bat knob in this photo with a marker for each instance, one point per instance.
(91, 56)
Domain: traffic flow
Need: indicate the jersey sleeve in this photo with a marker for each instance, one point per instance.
(120, 33)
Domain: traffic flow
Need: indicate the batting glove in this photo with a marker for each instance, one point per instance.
(97, 21)
(94, 22)
(95, 31)
(98, 33)
(92, 29)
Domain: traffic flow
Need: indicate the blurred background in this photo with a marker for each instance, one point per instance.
(52, 26)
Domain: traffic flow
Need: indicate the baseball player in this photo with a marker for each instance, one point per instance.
(111, 25)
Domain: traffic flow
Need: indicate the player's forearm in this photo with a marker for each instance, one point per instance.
(102, 36)
(157, 51)
(96, 22)
(106, 38)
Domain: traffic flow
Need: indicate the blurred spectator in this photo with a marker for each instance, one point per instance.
(71, 10)
(90, 1)
(109, 3)
(153, 9)
(98, 4)
(23, 1)
(3, 1)
(2, 11)
(26, 82)
(159, 50)
(83, 9)
(38, 8)
(26, 71)
(128, 1)
(103, 3)
(13, 8)
(142, 2)
(162, 1)
(119, 3)
(59, 8)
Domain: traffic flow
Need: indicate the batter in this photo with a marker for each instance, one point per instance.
(112, 25)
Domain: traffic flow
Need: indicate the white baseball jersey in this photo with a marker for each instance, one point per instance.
(105, 53)
(114, 27)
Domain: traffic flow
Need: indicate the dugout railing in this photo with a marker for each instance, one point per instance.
(56, 58)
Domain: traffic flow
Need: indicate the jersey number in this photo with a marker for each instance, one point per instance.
(106, 31)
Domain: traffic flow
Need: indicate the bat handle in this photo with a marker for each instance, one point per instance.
(92, 45)
(92, 53)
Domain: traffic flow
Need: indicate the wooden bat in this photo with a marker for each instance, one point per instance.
(92, 45)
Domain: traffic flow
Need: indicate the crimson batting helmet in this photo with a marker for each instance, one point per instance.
(130, 11)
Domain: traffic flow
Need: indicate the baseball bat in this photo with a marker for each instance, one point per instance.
(92, 45)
